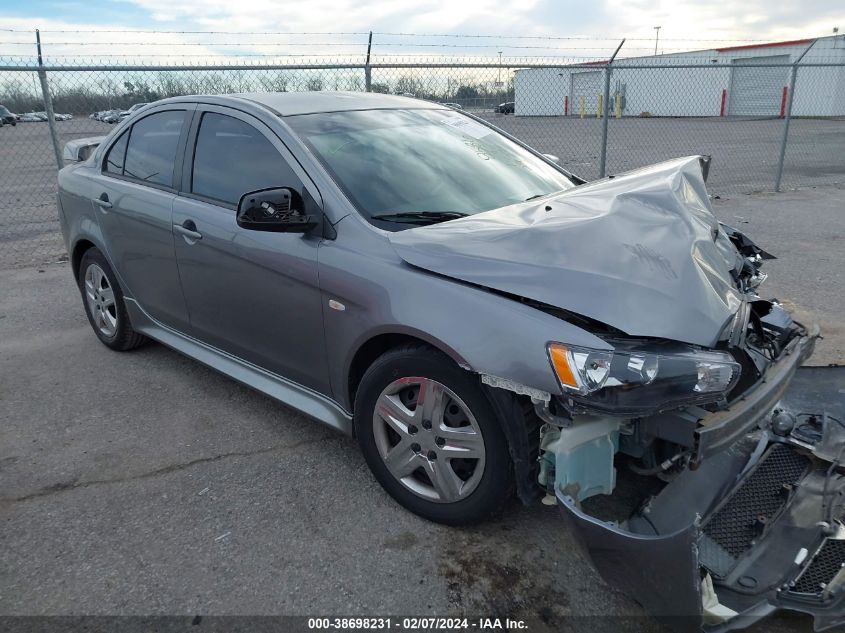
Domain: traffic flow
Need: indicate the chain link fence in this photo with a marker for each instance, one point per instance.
(599, 118)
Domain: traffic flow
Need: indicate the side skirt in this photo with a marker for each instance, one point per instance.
(296, 396)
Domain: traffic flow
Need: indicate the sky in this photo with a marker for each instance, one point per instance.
(595, 27)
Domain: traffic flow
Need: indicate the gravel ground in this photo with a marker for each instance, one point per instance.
(745, 151)
(144, 483)
(805, 230)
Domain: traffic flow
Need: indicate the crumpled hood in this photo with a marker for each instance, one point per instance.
(641, 252)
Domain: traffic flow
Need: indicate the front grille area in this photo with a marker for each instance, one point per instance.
(731, 530)
(825, 565)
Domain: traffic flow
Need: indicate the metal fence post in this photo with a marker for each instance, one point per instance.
(605, 110)
(48, 103)
(788, 114)
(368, 71)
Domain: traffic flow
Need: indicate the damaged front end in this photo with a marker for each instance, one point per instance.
(755, 527)
(735, 494)
(736, 504)
(738, 510)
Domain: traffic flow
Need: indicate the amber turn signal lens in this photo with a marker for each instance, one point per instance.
(559, 356)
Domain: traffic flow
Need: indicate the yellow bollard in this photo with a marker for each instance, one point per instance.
(598, 106)
(618, 106)
(581, 107)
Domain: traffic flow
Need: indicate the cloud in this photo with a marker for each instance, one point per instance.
(62, 44)
(686, 24)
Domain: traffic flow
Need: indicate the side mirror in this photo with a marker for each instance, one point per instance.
(705, 161)
(277, 210)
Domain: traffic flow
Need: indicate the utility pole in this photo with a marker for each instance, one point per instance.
(788, 114)
(368, 71)
(48, 103)
(656, 38)
(499, 79)
(605, 110)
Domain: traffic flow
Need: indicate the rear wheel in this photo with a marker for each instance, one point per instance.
(431, 437)
(104, 305)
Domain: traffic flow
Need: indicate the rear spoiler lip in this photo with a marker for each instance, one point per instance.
(80, 149)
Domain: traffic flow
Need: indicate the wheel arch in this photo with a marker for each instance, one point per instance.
(515, 413)
(378, 343)
(81, 246)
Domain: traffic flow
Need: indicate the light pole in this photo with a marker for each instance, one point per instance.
(656, 38)
(499, 78)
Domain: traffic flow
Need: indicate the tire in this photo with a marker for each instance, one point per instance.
(454, 468)
(106, 310)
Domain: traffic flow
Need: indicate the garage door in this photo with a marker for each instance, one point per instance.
(587, 85)
(758, 91)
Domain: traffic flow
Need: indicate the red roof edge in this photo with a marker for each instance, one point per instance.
(771, 44)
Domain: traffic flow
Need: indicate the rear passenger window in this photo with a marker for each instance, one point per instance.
(232, 158)
(114, 159)
(152, 147)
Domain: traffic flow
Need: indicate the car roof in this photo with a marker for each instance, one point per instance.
(293, 103)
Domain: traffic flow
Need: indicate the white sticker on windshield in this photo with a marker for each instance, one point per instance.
(467, 126)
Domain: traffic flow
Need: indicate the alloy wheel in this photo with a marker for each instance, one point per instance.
(429, 439)
(100, 296)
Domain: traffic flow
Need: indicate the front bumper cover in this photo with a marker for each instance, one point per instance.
(753, 519)
(722, 428)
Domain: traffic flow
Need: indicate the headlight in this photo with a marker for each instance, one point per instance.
(642, 378)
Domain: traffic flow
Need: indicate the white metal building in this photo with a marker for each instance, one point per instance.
(726, 86)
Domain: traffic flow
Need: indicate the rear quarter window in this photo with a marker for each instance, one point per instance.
(152, 147)
(117, 154)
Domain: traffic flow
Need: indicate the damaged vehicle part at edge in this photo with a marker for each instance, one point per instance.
(754, 529)
(634, 331)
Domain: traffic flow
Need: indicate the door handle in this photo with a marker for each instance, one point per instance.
(103, 201)
(188, 230)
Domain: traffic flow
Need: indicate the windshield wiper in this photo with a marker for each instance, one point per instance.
(534, 197)
(420, 217)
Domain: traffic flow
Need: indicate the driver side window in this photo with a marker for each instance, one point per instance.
(232, 157)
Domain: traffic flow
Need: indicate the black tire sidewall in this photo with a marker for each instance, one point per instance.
(496, 482)
(124, 329)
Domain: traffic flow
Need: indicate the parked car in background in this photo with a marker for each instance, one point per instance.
(127, 113)
(33, 117)
(111, 116)
(7, 117)
(504, 108)
(42, 116)
(483, 321)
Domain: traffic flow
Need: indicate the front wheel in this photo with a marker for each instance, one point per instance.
(431, 437)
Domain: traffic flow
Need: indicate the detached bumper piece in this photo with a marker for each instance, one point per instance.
(820, 576)
(757, 527)
(738, 522)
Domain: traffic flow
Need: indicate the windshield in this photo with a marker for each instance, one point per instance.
(436, 162)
